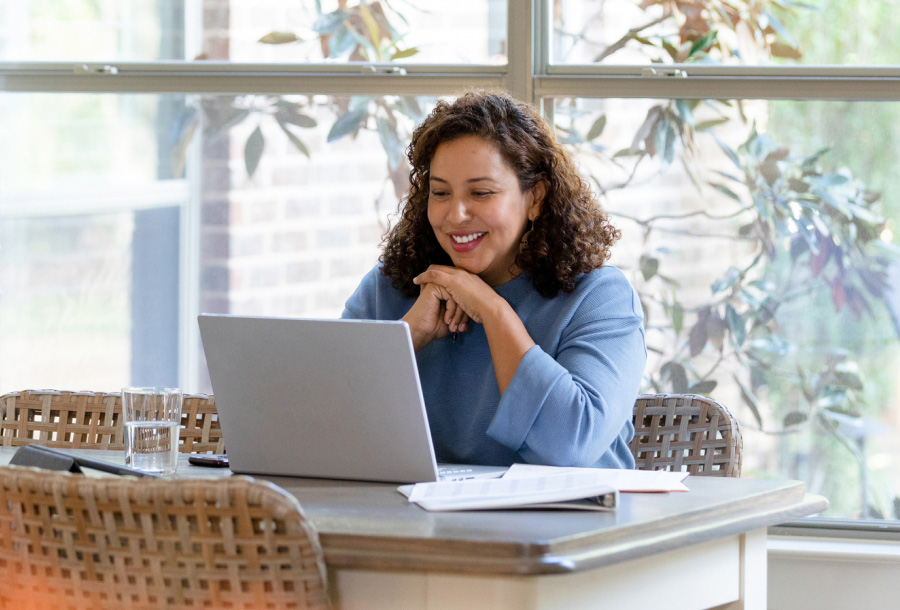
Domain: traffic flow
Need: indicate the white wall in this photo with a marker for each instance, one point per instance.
(833, 574)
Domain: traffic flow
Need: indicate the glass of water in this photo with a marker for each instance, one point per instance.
(152, 422)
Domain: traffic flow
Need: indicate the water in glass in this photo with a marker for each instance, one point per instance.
(152, 446)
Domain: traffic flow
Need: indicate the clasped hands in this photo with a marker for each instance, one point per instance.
(449, 299)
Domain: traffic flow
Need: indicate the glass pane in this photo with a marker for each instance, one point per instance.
(64, 310)
(90, 213)
(281, 201)
(289, 31)
(812, 32)
(760, 237)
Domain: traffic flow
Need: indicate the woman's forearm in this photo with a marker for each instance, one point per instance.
(508, 340)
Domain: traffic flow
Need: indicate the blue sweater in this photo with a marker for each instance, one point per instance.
(570, 401)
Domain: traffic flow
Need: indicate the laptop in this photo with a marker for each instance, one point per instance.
(337, 399)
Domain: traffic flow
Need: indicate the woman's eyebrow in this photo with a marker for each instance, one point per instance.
(470, 180)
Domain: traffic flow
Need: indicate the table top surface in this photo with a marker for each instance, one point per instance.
(372, 526)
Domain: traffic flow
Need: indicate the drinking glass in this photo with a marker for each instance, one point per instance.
(152, 423)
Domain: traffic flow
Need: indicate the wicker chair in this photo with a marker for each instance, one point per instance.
(71, 541)
(93, 420)
(686, 432)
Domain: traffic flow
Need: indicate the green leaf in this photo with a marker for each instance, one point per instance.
(779, 28)
(364, 43)
(715, 329)
(649, 266)
(864, 214)
(732, 276)
(295, 117)
(726, 191)
(736, 324)
(699, 333)
(403, 54)
(750, 400)
(677, 318)
(370, 23)
(347, 124)
(358, 102)
(793, 418)
(731, 154)
(705, 42)
(411, 107)
(597, 128)
(279, 38)
(684, 111)
(837, 203)
(849, 379)
(627, 152)
(297, 142)
(829, 180)
(706, 125)
(677, 376)
(785, 51)
(703, 387)
(671, 49)
(180, 149)
(253, 150)
(664, 138)
(342, 41)
(222, 121)
(329, 22)
(391, 143)
(668, 151)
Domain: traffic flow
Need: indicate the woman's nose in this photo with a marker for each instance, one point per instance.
(459, 210)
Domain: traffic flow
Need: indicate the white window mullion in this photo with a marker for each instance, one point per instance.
(210, 77)
(189, 277)
(523, 17)
(688, 81)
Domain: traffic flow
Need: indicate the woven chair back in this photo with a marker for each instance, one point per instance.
(93, 420)
(71, 541)
(686, 432)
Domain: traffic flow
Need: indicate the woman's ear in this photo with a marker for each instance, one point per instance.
(538, 193)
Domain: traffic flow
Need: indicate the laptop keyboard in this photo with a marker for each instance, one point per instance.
(453, 471)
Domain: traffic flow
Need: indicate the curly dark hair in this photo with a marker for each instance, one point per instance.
(570, 236)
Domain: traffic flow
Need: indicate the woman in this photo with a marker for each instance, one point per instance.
(529, 349)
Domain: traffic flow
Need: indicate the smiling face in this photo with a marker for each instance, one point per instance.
(476, 208)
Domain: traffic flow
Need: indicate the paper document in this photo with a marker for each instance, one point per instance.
(584, 486)
(621, 480)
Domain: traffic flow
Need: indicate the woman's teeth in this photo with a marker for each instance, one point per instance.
(463, 239)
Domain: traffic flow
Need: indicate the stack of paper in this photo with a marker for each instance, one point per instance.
(533, 491)
(621, 480)
(528, 486)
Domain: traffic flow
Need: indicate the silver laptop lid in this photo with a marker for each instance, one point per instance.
(319, 398)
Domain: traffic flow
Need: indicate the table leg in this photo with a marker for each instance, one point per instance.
(754, 573)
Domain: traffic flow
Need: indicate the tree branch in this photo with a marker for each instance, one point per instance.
(621, 42)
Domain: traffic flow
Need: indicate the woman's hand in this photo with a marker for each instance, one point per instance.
(466, 295)
(431, 314)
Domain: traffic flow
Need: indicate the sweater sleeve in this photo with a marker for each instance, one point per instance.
(376, 299)
(569, 410)
(363, 303)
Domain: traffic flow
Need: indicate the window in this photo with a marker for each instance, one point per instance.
(245, 156)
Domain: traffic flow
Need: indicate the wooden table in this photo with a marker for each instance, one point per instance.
(702, 549)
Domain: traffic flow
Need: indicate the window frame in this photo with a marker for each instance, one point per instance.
(528, 75)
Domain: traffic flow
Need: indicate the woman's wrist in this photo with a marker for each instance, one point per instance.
(495, 310)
